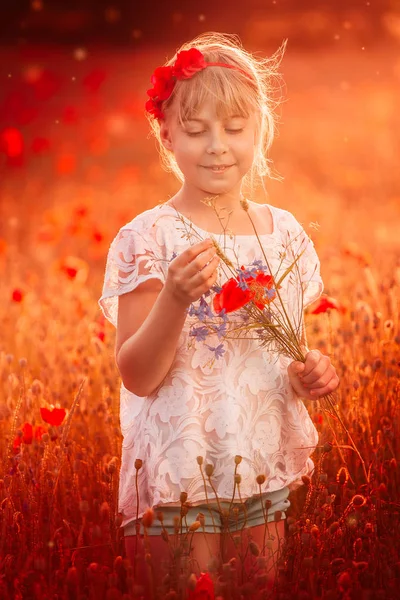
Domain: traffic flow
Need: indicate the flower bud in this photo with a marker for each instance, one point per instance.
(199, 460)
(138, 464)
(254, 549)
(238, 478)
(194, 526)
(260, 479)
(209, 469)
(148, 518)
(238, 459)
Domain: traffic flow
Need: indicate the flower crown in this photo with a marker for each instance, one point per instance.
(188, 63)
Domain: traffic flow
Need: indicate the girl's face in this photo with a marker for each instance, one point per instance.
(205, 143)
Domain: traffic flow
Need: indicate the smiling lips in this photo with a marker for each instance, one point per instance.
(218, 168)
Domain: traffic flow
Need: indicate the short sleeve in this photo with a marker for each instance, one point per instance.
(139, 252)
(309, 265)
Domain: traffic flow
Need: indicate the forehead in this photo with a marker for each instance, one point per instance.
(209, 112)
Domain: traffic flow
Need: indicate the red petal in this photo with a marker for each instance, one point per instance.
(53, 417)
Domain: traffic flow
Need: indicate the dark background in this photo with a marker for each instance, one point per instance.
(127, 22)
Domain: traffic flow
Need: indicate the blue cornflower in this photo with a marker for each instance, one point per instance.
(270, 293)
(199, 333)
(218, 350)
(220, 330)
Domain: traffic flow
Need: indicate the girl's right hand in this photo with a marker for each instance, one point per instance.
(193, 273)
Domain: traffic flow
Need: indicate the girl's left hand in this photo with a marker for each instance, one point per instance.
(315, 377)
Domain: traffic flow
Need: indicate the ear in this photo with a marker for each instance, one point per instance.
(165, 136)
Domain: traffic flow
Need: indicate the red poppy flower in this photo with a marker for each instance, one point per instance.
(17, 295)
(204, 589)
(101, 335)
(163, 83)
(26, 438)
(232, 297)
(188, 62)
(326, 303)
(53, 417)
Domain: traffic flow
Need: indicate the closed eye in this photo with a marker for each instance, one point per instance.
(194, 133)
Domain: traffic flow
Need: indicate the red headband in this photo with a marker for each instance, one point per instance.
(188, 63)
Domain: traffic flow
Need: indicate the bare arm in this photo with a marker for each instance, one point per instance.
(151, 318)
(145, 357)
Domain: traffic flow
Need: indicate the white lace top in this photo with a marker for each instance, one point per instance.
(239, 404)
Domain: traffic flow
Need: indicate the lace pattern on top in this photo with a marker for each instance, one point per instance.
(241, 403)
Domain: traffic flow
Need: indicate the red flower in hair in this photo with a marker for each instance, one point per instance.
(188, 62)
(163, 83)
(53, 417)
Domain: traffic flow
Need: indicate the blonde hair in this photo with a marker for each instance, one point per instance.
(233, 91)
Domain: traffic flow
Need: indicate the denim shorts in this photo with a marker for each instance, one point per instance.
(249, 514)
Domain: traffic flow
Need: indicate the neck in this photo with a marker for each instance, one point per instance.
(195, 200)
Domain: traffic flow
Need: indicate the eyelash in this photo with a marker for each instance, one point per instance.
(192, 134)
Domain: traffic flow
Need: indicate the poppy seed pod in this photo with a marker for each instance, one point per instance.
(209, 469)
(260, 479)
(138, 463)
(194, 526)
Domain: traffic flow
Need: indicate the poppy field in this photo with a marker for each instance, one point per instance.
(76, 164)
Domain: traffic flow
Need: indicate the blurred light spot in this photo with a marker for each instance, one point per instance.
(66, 164)
(37, 5)
(336, 37)
(391, 22)
(116, 125)
(202, 18)
(137, 34)
(112, 14)
(80, 54)
(12, 142)
(32, 74)
(347, 25)
(177, 17)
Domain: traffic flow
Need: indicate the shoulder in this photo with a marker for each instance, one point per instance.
(147, 219)
(151, 228)
(284, 220)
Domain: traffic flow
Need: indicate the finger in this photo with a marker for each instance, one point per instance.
(315, 367)
(326, 389)
(200, 262)
(191, 253)
(323, 380)
(204, 280)
(311, 361)
(200, 277)
(296, 367)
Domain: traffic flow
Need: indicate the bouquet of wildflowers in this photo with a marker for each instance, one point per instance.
(249, 305)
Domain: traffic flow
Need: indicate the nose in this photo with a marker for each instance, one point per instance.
(217, 144)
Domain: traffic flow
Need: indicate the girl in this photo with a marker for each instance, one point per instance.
(211, 112)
